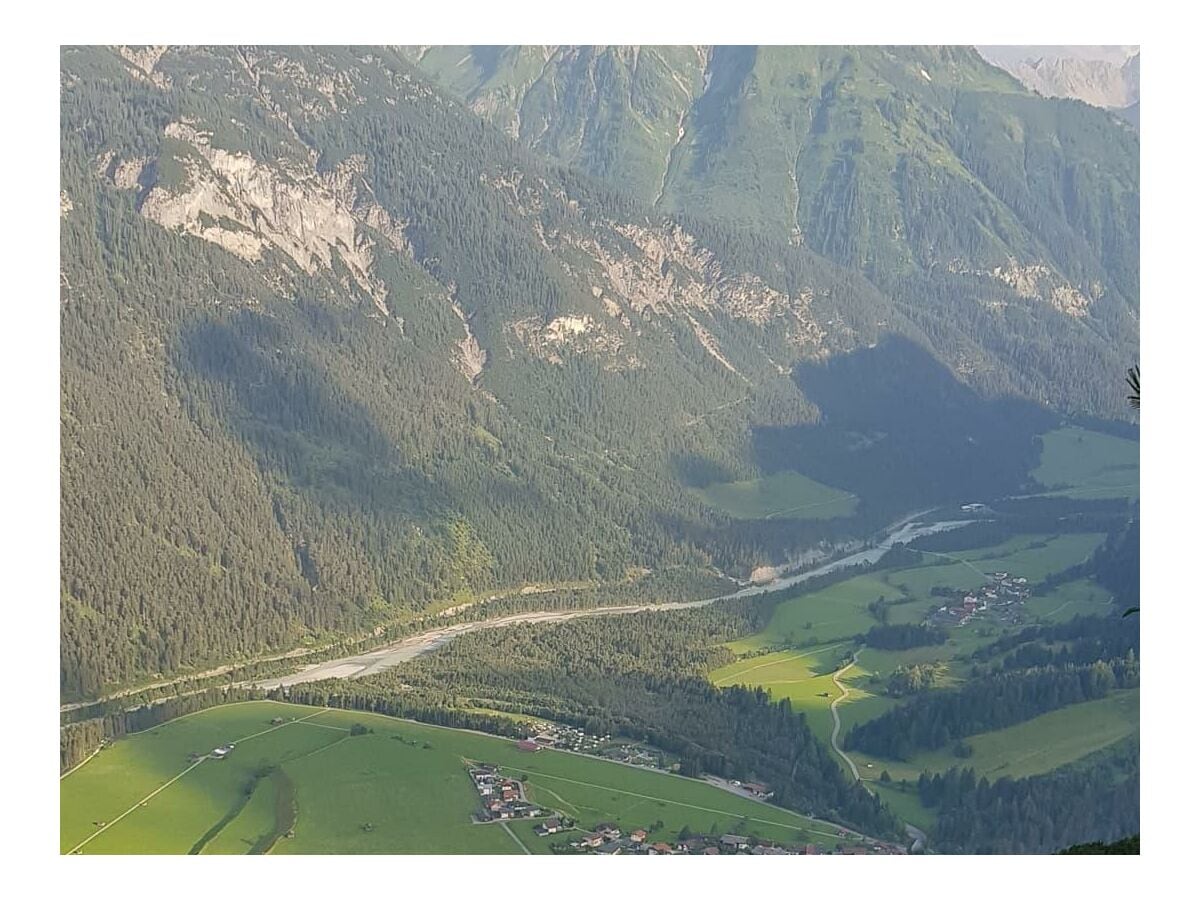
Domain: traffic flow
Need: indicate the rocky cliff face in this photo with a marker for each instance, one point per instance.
(290, 216)
(1110, 80)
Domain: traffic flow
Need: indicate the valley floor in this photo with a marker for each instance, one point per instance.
(306, 785)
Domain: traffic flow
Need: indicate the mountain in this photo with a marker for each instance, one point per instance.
(337, 349)
(927, 170)
(1108, 77)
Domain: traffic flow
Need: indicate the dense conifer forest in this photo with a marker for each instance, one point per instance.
(265, 450)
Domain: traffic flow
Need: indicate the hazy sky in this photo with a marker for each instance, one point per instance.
(1013, 53)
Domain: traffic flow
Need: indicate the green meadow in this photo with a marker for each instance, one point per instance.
(1032, 556)
(1028, 748)
(830, 614)
(403, 788)
(811, 635)
(803, 677)
(784, 495)
(840, 611)
(1089, 465)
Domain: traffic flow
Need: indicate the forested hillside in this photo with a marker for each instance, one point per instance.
(337, 350)
(1004, 224)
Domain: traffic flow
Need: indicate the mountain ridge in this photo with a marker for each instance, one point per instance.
(336, 350)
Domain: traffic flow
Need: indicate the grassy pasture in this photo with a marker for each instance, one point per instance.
(1031, 747)
(1083, 597)
(803, 674)
(1032, 556)
(803, 677)
(830, 614)
(1089, 465)
(840, 611)
(415, 798)
(904, 802)
(784, 495)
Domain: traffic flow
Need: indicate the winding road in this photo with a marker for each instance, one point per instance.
(837, 720)
(917, 836)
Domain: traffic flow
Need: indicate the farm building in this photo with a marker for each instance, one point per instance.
(757, 789)
(529, 746)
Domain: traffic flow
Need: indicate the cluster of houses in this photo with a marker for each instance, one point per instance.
(1005, 596)
(567, 737)
(607, 840)
(636, 755)
(503, 798)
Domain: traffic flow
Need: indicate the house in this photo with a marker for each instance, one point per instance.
(757, 789)
(592, 840)
(638, 836)
(735, 841)
(710, 851)
(811, 850)
(612, 848)
(550, 826)
(660, 849)
(609, 830)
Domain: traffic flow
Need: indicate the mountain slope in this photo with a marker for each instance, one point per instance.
(337, 351)
(334, 350)
(926, 169)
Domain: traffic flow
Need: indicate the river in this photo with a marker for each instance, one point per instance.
(401, 651)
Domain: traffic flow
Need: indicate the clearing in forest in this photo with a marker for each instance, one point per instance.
(784, 495)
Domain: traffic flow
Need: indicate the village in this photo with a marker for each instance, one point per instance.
(1004, 598)
(503, 798)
